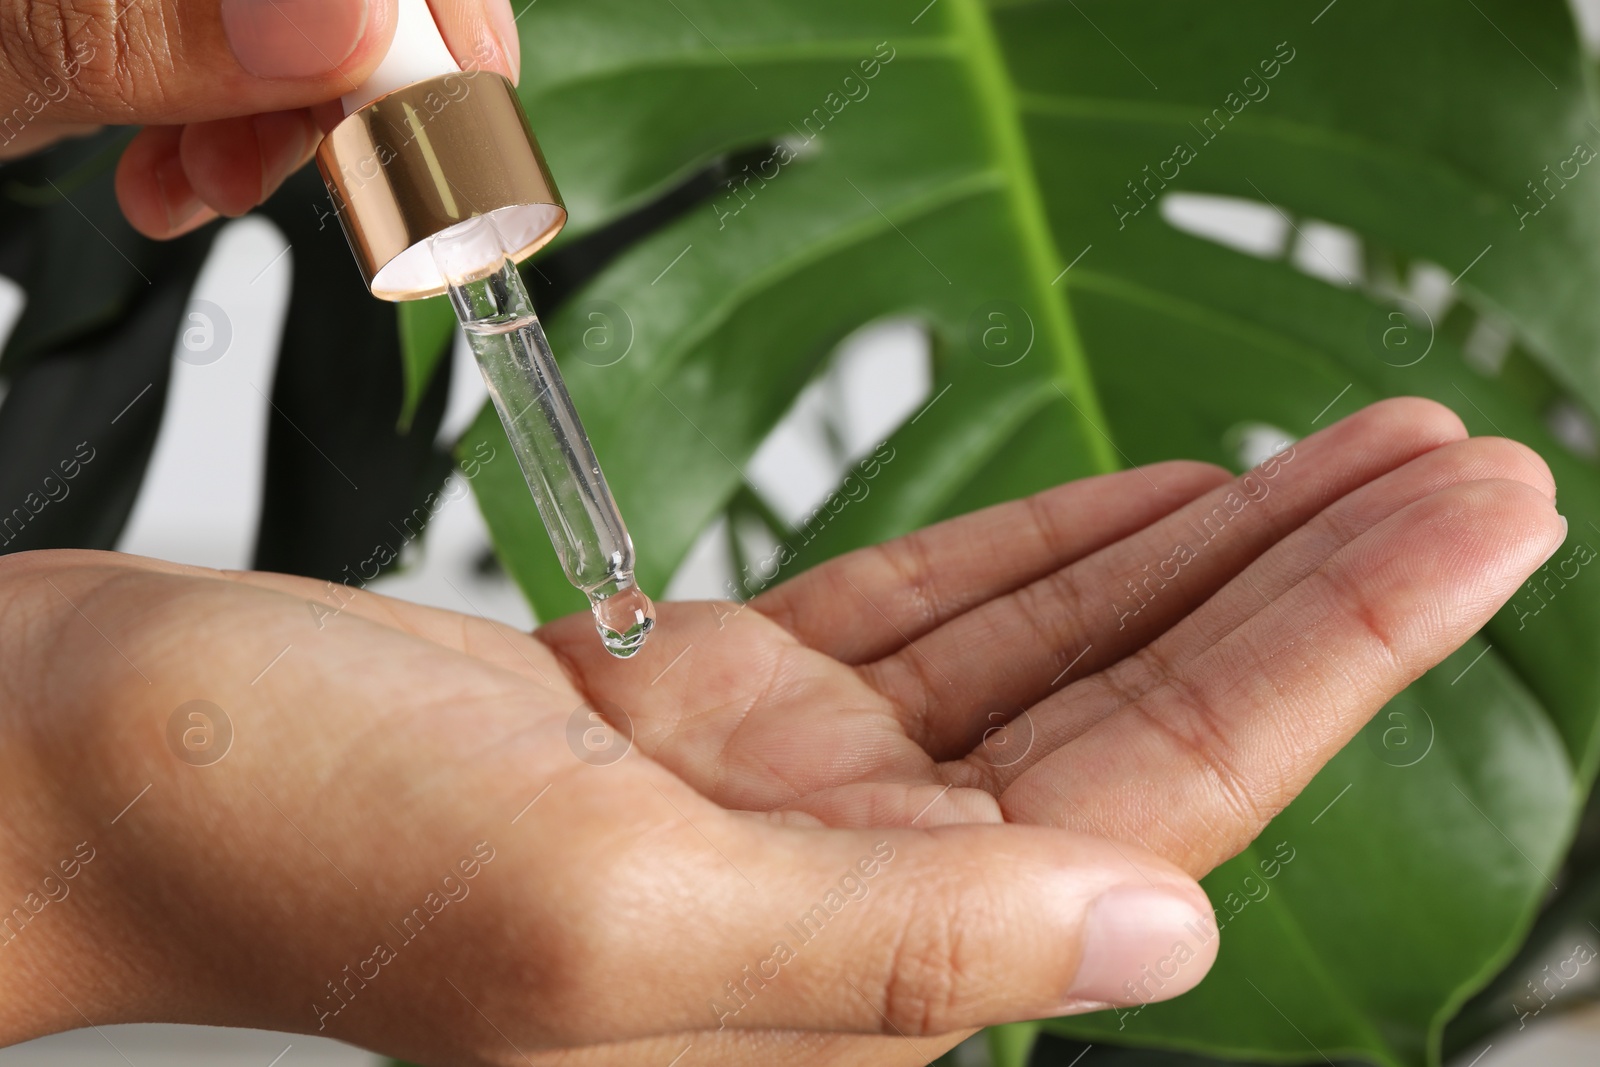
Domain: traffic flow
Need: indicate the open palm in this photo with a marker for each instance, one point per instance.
(1163, 656)
(1105, 686)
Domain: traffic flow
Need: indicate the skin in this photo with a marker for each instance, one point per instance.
(217, 139)
(977, 697)
(985, 715)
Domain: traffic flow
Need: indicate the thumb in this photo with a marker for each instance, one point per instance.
(928, 932)
(223, 88)
(897, 932)
(169, 62)
(173, 62)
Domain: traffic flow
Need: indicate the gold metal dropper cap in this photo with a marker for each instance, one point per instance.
(422, 159)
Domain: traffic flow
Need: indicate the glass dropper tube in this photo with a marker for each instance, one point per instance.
(546, 434)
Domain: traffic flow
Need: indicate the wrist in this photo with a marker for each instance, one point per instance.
(78, 945)
(56, 968)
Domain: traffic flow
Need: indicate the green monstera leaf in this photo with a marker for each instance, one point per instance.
(1019, 177)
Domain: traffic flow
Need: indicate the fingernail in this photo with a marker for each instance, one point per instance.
(1141, 944)
(177, 195)
(504, 22)
(293, 38)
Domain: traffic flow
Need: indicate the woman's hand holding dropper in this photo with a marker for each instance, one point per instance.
(233, 95)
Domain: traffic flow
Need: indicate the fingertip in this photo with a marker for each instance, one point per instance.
(1186, 476)
(1084, 924)
(222, 161)
(292, 40)
(1512, 505)
(1478, 459)
(287, 141)
(1412, 425)
(1547, 529)
(506, 29)
(503, 23)
(1427, 419)
(1499, 534)
(1481, 539)
(1141, 944)
(327, 115)
(233, 165)
(153, 189)
(482, 34)
(1544, 479)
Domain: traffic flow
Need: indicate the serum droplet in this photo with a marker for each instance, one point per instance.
(624, 619)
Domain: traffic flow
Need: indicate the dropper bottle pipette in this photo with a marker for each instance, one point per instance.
(441, 188)
(560, 466)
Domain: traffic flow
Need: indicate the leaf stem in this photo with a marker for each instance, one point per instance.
(998, 99)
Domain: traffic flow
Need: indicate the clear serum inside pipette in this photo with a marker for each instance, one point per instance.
(545, 433)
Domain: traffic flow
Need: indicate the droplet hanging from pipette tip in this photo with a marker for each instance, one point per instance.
(624, 619)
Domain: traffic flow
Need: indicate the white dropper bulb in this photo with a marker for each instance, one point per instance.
(417, 53)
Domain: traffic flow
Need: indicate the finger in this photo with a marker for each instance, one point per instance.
(713, 696)
(482, 34)
(152, 188)
(1197, 766)
(1067, 714)
(870, 602)
(1080, 619)
(235, 164)
(328, 115)
(170, 62)
(1294, 558)
(878, 932)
